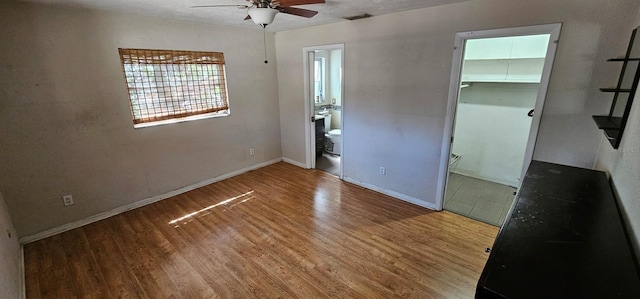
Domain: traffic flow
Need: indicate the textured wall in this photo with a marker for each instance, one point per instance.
(65, 121)
(10, 275)
(397, 75)
(492, 129)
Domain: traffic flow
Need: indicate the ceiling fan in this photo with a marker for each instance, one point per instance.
(262, 12)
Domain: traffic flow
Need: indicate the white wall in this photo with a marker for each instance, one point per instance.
(492, 130)
(334, 76)
(65, 121)
(397, 70)
(623, 166)
(336, 120)
(336, 88)
(10, 274)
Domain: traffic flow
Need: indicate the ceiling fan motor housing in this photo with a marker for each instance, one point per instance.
(262, 16)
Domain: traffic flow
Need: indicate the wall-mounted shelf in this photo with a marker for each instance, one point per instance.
(607, 123)
(623, 59)
(613, 89)
(613, 124)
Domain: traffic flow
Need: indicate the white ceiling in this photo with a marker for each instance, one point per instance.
(329, 12)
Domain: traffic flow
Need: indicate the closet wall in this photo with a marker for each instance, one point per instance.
(491, 130)
(500, 86)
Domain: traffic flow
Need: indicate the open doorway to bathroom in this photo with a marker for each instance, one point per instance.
(324, 89)
(500, 91)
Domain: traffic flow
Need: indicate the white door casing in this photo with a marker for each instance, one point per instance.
(308, 64)
(454, 88)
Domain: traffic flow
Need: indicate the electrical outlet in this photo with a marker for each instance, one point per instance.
(68, 200)
(252, 151)
(383, 170)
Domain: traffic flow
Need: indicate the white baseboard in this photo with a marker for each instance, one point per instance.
(404, 197)
(135, 205)
(22, 273)
(293, 162)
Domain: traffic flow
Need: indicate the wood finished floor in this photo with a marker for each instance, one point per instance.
(277, 232)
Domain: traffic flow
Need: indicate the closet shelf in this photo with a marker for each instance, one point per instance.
(604, 122)
(523, 81)
(505, 58)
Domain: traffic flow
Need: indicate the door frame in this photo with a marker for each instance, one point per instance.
(454, 91)
(309, 105)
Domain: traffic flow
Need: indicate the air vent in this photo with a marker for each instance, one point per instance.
(358, 17)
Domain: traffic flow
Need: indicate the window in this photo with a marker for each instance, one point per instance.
(319, 79)
(168, 86)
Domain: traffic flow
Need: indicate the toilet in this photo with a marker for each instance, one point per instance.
(333, 141)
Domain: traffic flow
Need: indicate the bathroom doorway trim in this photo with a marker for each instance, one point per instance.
(310, 106)
(454, 89)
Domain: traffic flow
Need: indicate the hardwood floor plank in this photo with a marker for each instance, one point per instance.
(173, 255)
(32, 255)
(241, 248)
(87, 279)
(238, 246)
(280, 231)
(139, 257)
(118, 277)
(297, 253)
(55, 277)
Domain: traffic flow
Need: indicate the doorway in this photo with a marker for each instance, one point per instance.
(499, 84)
(324, 90)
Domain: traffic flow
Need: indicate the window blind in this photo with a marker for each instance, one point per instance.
(170, 84)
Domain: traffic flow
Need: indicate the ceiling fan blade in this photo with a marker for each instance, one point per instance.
(286, 3)
(297, 11)
(220, 5)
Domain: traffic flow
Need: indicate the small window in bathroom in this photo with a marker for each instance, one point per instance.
(319, 79)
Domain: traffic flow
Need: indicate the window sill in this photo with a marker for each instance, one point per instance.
(183, 119)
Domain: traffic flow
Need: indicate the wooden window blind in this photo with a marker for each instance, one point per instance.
(167, 84)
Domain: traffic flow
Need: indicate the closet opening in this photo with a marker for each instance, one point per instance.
(500, 88)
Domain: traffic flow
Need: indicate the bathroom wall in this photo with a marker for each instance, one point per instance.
(335, 69)
(336, 119)
(491, 130)
(336, 88)
(65, 121)
(10, 274)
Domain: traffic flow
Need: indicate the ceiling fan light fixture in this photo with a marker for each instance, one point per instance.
(262, 16)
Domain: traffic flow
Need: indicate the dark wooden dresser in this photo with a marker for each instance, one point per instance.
(563, 238)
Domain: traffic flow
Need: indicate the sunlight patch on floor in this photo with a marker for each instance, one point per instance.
(224, 202)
